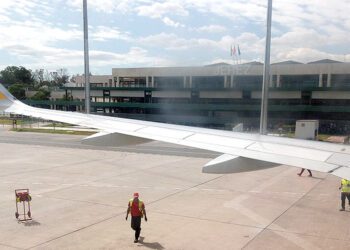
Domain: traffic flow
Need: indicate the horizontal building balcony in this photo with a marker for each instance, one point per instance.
(197, 107)
(282, 88)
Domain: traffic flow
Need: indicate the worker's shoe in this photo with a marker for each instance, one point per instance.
(299, 174)
(136, 240)
(310, 175)
(342, 209)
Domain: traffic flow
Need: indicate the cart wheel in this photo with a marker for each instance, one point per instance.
(17, 215)
(29, 214)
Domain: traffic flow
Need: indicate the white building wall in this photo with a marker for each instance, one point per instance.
(105, 80)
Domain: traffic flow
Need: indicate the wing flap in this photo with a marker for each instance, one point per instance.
(113, 140)
(226, 163)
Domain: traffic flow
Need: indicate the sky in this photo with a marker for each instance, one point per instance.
(41, 34)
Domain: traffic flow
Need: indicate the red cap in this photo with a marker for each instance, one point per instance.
(136, 195)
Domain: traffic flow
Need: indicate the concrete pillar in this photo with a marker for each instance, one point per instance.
(320, 83)
(329, 80)
(271, 81)
(118, 82)
(225, 82)
(184, 83)
(152, 83)
(278, 81)
(147, 82)
(190, 84)
(231, 82)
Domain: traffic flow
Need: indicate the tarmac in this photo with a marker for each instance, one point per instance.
(80, 196)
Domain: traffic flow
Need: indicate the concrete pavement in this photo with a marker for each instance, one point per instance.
(80, 197)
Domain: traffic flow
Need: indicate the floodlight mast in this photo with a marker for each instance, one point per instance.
(86, 59)
(266, 74)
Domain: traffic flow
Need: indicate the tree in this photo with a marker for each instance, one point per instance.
(18, 91)
(38, 76)
(60, 77)
(42, 94)
(13, 74)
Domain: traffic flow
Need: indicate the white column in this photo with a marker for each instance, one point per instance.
(329, 80)
(320, 82)
(152, 83)
(190, 85)
(231, 82)
(118, 82)
(147, 82)
(271, 81)
(278, 81)
(184, 83)
(225, 81)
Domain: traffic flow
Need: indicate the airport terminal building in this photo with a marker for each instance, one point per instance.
(219, 95)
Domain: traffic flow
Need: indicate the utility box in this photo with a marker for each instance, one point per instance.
(306, 129)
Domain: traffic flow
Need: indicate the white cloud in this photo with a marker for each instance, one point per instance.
(107, 6)
(103, 33)
(248, 42)
(73, 25)
(158, 10)
(33, 33)
(169, 22)
(166, 41)
(212, 29)
(302, 30)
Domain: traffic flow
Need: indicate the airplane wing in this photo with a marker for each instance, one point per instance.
(240, 151)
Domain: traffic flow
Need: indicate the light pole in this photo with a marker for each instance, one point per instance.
(86, 59)
(266, 74)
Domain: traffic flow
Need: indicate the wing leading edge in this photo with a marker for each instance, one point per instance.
(241, 152)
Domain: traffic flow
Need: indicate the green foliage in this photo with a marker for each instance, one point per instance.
(18, 91)
(42, 94)
(13, 75)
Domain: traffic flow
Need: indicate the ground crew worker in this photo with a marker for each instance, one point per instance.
(136, 208)
(345, 192)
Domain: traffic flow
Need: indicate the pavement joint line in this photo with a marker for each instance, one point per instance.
(96, 180)
(210, 220)
(118, 214)
(1, 244)
(76, 230)
(51, 168)
(285, 211)
(186, 189)
(81, 201)
(134, 170)
(308, 235)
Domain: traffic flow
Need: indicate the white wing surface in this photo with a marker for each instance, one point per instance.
(241, 151)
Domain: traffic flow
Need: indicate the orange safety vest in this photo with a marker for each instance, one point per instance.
(131, 201)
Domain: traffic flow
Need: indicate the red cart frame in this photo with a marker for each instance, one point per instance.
(22, 196)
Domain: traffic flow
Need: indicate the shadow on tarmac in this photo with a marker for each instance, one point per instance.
(152, 245)
(31, 223)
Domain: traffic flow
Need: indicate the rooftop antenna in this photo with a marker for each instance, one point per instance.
(86, 59)
(266, 74)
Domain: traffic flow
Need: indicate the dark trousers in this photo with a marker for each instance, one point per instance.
(343, 197)
(303, 169)
(136, 225)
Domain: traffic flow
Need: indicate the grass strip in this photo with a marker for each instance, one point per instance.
(53, 131)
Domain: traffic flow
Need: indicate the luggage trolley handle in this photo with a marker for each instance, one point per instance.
(22, 195)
